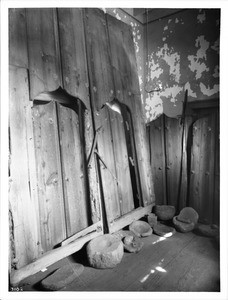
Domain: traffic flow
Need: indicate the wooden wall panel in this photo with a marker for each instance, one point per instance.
(216, 206)
(101, 89)
(44, 68)
(73, 53)
(72, 156)
(127, 91)
(158, 159)
(173, 133)
(75, 82)
(22, 192)
(49, 176)
(122, 163)
(18, 55)
(202, 168)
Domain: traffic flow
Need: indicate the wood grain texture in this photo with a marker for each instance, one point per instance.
(202, 168)
(74, 181)
(73, 56)
(49, 175)
(127, 91)
(173, 133)
(22, 193)
(122, 163)
(43, 51)
(75, 81)
(101, 89)
(158, 159)
(18, 55)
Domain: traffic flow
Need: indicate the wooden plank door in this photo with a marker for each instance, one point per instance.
(112, 139)
(127, 91)
(202, 173)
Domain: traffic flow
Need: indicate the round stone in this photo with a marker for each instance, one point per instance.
(132, 243)
(182, 226)
(208, 230)
(188, 215)
(164, 212)
(140, 228)
(163, 230)
(105, 251)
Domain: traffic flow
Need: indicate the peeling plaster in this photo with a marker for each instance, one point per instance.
(155, 70)
(208, 91)
(216, 46)
(216, 72)
(190, 91)
(204, 45)
(172, 59)
(201, 18)
(172, 92)
(154, 106)
(196, 63)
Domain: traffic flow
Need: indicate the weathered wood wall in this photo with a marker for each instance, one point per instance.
(196, 182)
(54, 194)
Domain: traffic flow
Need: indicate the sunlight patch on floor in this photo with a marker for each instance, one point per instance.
(159, 240)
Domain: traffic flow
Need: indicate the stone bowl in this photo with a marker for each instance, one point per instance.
(188, 215)
(182, 226)
(140, 228)
(163, 230)
(208, 230)
(132, 243)
(105, 252)
(164, 212)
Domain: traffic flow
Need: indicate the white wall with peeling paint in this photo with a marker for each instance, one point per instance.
(182, 55)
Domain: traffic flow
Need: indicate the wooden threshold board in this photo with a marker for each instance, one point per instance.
(183, 262)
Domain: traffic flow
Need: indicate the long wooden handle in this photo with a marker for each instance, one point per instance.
(49, 258)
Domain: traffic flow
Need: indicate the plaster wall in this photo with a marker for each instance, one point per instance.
(183, 53)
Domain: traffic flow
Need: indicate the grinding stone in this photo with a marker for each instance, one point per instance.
(183, 227)
(105, 251)
(132, 243)
(163, 230)
(140, 228)
(188, 215)
(63, 276)
(164, 212)
(208, 230)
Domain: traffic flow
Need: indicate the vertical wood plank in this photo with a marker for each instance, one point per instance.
(22, 195)
(49, 177)
(73, 56)
(101, 89)
(109, 176)
(122, 164)
(18, 55)
(216, 208)
(173, 133)
(158, 164)
(127, 91)
(73, 174)
(75, 81)
(202, 168)
(42, 50)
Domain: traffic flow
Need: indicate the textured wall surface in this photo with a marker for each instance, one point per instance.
(138, 38)
(183, 53)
